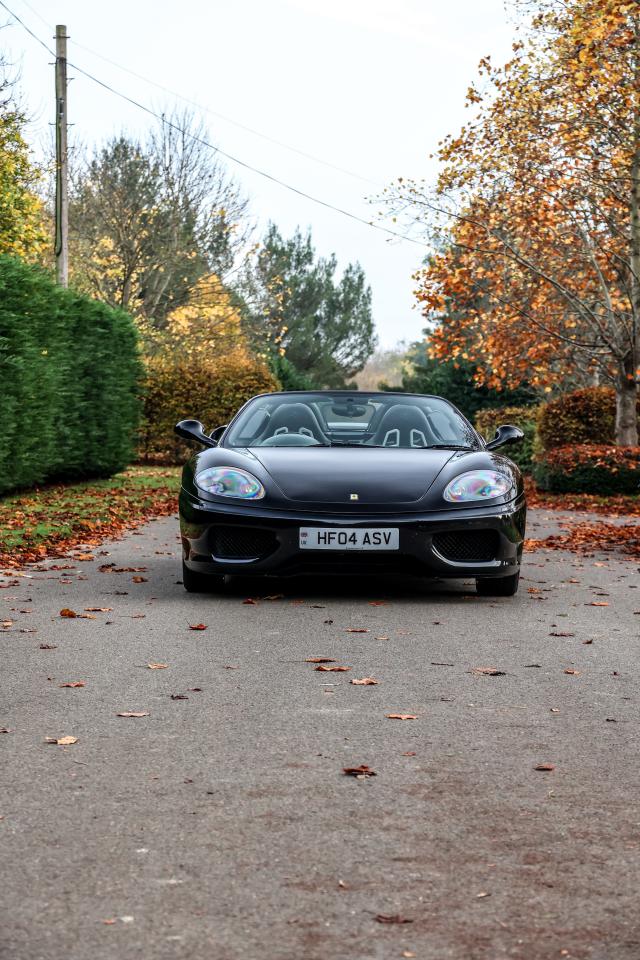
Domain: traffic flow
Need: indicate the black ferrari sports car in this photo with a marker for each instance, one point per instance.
(350, 482)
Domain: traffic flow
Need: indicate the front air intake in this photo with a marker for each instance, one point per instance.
(235, 543)
(467, 546)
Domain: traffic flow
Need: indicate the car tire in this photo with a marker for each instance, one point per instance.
(194, 582)
(498, 586)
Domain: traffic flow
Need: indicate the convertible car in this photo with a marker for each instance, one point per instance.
(348, 482)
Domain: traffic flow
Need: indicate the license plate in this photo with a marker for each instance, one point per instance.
(337, 538)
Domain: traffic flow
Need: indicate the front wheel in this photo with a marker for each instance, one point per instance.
(498, 586)
(201, 582)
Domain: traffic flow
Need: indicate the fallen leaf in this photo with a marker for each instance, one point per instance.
(587, 642)
(597, 603)
(98, 609)
(73, 683)
(357, 630)
(319, 660)
(554, 710)
(108, 922)
(275, 596)
(249, 600)
(401, 716)
(611, 720)
(381, 638)
(324, 669)
(157, 666)
(327, 621)
(129, 570)
(133, 713)
(561, 633)
(195, 689)
(572, 672)
(342, 885)
(360, 772)
(72, 615)
(48, 646)
(483, 893)
(179, 696)
(489, 671)
(5, 730)
(84, 556)
(197, 626)
(436, 663)
(407, 954)
(364, 682)
(138, 579)
(410, 753)
(378, 603)
(392, 918)
(61, 741)
(545, 767)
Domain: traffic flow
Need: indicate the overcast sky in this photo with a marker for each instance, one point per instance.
(369, 86)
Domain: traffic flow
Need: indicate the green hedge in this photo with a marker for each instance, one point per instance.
(588, 468)
(209, 390)
(488, 420)
(69, 372)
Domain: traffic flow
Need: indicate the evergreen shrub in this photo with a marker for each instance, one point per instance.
(69, 374)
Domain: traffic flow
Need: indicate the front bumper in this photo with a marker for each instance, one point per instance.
(209, 530)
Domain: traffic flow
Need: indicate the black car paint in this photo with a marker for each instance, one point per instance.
(312, 486)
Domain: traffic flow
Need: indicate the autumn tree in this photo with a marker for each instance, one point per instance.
(536, 216)
(297, 306)
(22, 226)
(149, 219)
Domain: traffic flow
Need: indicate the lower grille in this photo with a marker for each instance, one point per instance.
(467, 545)
(230, 543)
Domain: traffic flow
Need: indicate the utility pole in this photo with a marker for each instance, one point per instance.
(62, 191)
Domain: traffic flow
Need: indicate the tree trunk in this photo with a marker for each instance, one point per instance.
(626, 399)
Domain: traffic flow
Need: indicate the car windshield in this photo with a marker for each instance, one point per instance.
(351, 419)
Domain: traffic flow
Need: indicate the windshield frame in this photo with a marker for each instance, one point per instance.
(361, 396)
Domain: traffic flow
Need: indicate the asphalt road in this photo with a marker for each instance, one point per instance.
(220, 826)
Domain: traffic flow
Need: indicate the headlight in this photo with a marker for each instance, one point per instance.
(230, 482)
(477, 485)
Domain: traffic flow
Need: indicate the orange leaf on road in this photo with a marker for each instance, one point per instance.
(332, 669)
(197, 626)
(364, 682)
(401, 716)
(133, 713)
(319, 660)
(360, 772)
(61, 741)
(73, 683)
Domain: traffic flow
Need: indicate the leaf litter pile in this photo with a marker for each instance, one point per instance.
(586, 535)
(49, 521)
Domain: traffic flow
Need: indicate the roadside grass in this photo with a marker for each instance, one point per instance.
(49, 520)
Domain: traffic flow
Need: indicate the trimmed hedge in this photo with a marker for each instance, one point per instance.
(487, 421)
(583, 416)
(208, 390)
(69, 372)
(588, 468)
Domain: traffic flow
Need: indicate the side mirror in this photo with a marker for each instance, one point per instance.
(217, 433)
(505, 435)
(193, 430)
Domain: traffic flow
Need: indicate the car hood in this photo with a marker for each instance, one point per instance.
(335, 474)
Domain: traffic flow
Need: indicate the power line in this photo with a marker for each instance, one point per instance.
(234, 159)
(209, 110)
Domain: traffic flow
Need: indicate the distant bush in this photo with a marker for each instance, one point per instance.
(583, 416)
(69, 370)
(207, 390)
(487, 421)
(588, 468)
